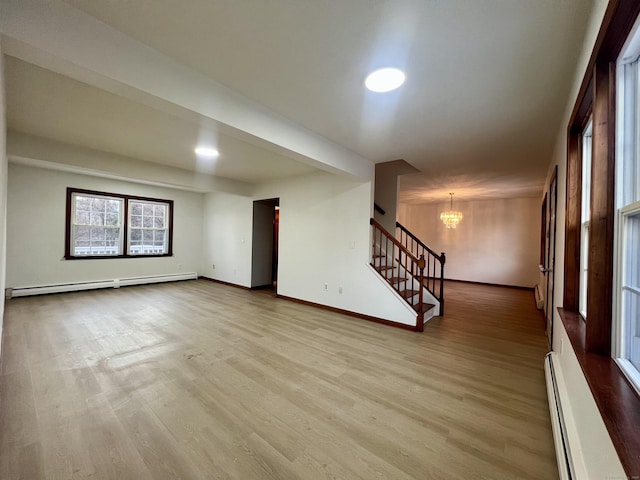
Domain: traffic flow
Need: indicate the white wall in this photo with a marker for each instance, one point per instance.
(3, 195)
(586, 425)
(498, 241)
(227, 224)
(324, 238)
(36, 230)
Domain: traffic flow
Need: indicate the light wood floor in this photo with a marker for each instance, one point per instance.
(199, 380)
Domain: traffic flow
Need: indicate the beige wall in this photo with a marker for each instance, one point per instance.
(498, 241)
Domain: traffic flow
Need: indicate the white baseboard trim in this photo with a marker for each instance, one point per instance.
(91, 285)
(568, 451)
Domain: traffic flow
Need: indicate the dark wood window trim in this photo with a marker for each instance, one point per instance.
(617, 400)
(125, 198)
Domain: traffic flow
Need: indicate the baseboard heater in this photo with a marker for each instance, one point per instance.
(91, 285)
(560, 438)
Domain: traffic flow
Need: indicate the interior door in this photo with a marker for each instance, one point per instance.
(550, 257)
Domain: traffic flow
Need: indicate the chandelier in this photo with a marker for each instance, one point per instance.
(450, 217)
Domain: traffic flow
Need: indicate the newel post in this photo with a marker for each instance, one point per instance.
(420, 316)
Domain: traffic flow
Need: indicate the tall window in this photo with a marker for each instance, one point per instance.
(104, 225)
(628, 210)
(587, 143)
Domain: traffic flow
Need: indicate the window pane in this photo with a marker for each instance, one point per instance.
(136, 221)
(147, 222)
(97, 234)
(83, 203)
(136, 208)
(158, 222)
(97, 218)
(97, 204)
(631, 302)
(113, 206)
(632, 251)
(82, 233)
(159, 237)
(159, 210)
(112, 219)
(136, 235)
(82, 217)
(147, 237)
(112, 236)
(147, 209)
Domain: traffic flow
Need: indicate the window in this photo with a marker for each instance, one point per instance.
(148, 227)
(604, 344)
(627, 265)
(587, 142)
(96, 225)
(106, 225)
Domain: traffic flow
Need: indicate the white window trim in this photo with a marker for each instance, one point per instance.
(585, 213)
(629, 54)
(165, 247)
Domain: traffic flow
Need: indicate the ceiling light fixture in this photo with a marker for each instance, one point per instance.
(206, 152)
(450, 217)
(385, 80)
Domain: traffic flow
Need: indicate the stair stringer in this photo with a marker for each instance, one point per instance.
(406, 314)
(389, 269)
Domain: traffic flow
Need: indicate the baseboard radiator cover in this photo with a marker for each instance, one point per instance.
(566, 468)
(92, 285)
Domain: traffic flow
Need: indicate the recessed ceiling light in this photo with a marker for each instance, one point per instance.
(384, 80)
(206, 152)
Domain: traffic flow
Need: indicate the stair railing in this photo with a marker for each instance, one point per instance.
(389, 249)
(434, 277)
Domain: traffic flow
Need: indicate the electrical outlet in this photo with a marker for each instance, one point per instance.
(213, 266)
(340, 290)
(179, 266)
(326, 287)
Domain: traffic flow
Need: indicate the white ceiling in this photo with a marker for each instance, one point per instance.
(487, 84)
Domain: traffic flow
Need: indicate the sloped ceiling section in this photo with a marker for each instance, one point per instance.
(486, 88)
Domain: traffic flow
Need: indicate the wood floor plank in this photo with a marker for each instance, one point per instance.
(172, 381)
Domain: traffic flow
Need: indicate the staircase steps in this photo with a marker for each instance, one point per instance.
(381, 268)
(425, 307)
(408, 293)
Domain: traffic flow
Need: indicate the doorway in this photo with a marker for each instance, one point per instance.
(264, 248)
(550, 257)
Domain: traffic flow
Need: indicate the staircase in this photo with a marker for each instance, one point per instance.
(434, 268)
(413, 270)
